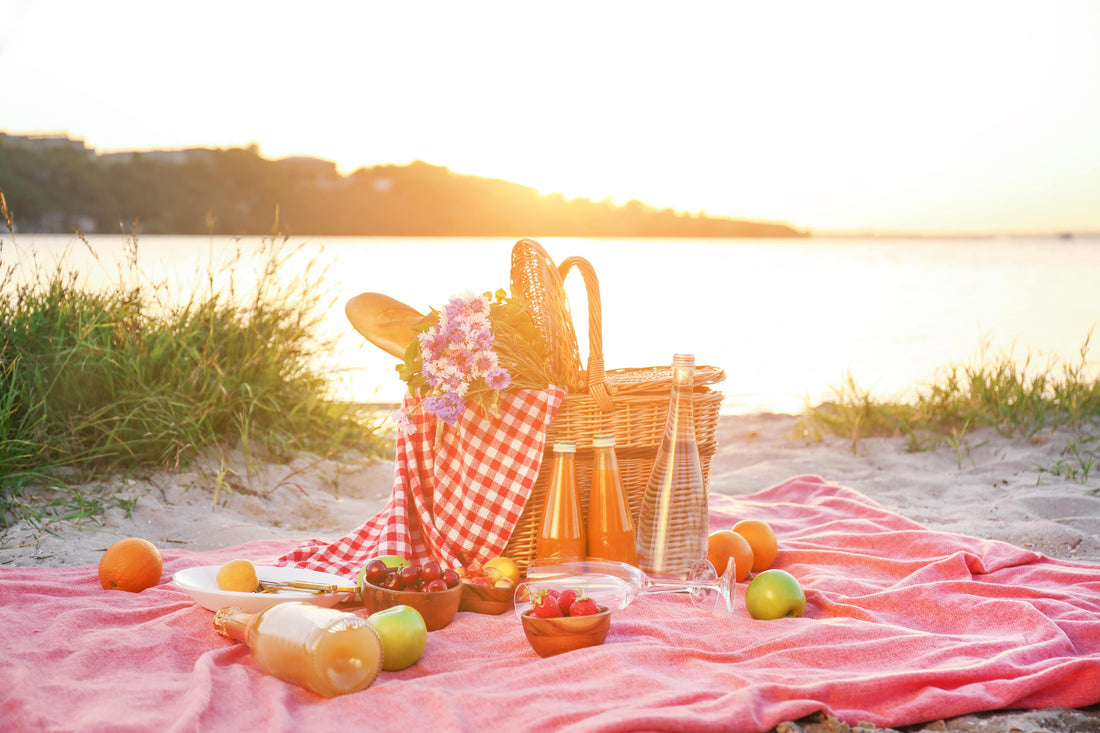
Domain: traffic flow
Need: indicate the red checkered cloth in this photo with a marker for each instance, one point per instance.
(457, 493)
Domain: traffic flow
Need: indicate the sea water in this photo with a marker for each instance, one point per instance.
(788, 320)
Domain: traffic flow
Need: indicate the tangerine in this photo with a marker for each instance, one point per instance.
(238, 576)
(724, 544)
(762, 539)
(132, 564)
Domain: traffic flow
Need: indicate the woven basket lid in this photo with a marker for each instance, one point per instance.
(656, 378)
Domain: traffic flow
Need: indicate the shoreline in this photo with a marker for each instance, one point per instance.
(991, 487)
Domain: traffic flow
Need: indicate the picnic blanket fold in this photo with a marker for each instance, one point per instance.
(458, 491)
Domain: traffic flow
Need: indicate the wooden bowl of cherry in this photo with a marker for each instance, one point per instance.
(437, 607)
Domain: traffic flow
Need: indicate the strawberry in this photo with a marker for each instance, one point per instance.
(546, 605)
(583, 606)
(565, 600)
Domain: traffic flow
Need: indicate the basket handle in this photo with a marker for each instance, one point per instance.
(597, 375)
(541, 284)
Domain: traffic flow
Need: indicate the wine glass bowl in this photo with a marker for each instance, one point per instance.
(616, 585)
(609, 591)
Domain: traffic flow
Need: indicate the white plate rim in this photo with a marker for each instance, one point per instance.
(199, 583)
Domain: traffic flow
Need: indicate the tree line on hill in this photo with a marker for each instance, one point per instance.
(238, 191)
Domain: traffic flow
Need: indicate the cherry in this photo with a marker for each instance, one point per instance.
(376, 571)
(430, 571)
(410, 575)
(435, 585)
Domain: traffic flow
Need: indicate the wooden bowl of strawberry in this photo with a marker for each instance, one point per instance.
(563, 622)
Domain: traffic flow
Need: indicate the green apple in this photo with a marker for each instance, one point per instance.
(404, 636)
(774, 594)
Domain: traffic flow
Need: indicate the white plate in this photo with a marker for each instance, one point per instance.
(202, 585)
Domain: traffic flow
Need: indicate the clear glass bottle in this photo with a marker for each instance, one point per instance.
(673, 522)
(321, 649)
(610, 525)
(562, 533)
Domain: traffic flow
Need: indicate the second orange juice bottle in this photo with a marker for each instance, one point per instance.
(610, 526)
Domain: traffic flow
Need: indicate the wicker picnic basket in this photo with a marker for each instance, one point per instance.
(630, 403)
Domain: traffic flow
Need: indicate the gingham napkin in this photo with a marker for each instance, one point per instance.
(457, 492)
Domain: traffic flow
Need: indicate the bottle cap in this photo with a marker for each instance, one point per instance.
(565, 446)
(683, 359)
(603, 441)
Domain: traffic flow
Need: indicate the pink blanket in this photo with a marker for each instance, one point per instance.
(903, 625)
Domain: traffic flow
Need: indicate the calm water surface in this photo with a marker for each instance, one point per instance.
(787, 320)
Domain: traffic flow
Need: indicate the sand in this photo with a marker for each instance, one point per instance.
(1018, 490)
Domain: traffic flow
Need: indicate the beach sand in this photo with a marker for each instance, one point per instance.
(992, 487)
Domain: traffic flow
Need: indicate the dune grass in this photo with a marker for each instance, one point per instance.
(1015, 397)
(101, 380)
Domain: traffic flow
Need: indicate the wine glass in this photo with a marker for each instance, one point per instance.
(617, 584)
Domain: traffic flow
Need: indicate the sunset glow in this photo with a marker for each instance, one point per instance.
(852, 116)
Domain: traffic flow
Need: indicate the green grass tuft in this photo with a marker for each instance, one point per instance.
(116, 379)
(1015, 398)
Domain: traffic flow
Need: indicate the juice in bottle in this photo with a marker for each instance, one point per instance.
(321, 649)
(562, 533)
(610, 526)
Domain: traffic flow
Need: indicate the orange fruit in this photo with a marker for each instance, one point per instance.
(132, 564)
(238, 576)
(762, 539)
(724, 544)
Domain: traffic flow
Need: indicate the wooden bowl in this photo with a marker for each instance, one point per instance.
(550, 636)
(483, 599)
(437, 608)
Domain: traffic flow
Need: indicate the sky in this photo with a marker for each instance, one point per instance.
(843, 116)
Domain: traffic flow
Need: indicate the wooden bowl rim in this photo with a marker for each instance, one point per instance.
(429, 594)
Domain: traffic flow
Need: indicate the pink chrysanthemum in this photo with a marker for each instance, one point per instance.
(498, 379)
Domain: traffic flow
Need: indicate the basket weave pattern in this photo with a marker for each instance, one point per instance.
(632, 403)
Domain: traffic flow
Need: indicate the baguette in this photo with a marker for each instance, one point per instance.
(385, 322)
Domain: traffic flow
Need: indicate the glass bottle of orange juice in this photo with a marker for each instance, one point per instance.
(610, 526)
(321, 649)
(562, 533)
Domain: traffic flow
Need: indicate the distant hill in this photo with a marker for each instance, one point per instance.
(56, 184)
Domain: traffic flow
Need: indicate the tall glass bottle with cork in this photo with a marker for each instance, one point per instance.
(610, 525)
(562, 532)
(673, 524)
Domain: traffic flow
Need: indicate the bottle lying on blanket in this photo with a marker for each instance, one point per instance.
(321, 649)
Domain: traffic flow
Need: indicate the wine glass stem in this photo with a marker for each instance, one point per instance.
(673, 586)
